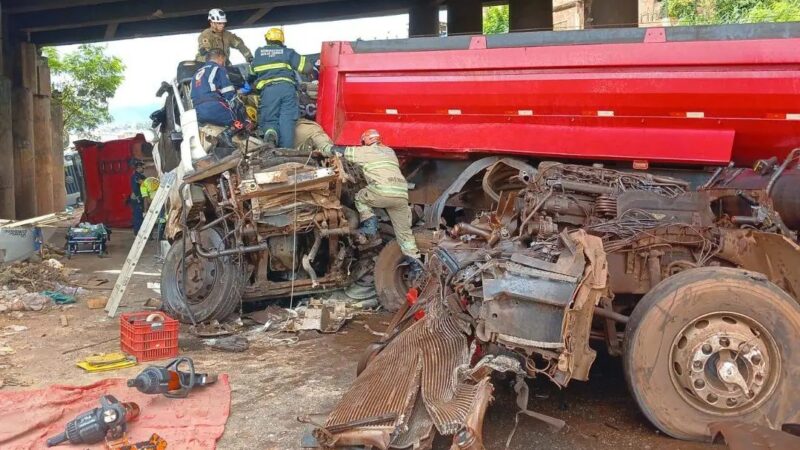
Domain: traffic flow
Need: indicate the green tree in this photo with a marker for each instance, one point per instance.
(83, 81)
(707, 12)
(495, 19)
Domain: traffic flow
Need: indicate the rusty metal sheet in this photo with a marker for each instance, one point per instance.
(744, 436)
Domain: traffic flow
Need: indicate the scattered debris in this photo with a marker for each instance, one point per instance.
(743, 436)
(63, 319)
(6, 350)
(32, 276)
(152, 303)
(234, 344)
(327, 317)
(97, 302)
(59, 298)
(213, 329)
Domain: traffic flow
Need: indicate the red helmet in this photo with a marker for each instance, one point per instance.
(370, 137)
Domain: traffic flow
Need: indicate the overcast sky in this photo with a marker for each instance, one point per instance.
(149, 61)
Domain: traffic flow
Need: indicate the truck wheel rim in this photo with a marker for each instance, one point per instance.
(201, 276)
(724, 363)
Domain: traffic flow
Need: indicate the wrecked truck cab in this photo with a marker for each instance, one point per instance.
(702, 308)
(259, 223)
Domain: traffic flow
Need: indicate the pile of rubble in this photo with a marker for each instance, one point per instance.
(33, 276)
(21, 284)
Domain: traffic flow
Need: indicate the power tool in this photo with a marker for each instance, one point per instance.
(109, 421)
(171, 380)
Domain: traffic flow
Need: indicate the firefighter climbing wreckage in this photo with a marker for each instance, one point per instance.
(692, 285)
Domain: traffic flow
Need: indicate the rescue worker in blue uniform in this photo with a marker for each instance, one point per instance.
(273, 66)
(136, 201)
(214, 97)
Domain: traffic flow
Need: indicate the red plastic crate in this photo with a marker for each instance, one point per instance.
(148, 341)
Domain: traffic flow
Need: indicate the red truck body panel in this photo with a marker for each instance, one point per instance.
(688, 95)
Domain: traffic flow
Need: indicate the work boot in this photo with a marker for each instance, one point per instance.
(369, 227)
(225, 145)
(271, 138)
(415, 268)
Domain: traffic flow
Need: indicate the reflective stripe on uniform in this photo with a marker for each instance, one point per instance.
(263, 83)
(388, 190)
(211, 77)
(227, 89)
(349, 153)
(380, 165)
(265, 67)
(302, 64)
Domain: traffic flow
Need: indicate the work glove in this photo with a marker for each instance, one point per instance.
(246, 89)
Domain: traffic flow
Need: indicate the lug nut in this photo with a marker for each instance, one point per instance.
(707, 349)
(756, 359)
(697, 365)
(724, 342)
(731, 402)
(699, 384)
(712, 398)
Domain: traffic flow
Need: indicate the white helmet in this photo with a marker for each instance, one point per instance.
(217, 15)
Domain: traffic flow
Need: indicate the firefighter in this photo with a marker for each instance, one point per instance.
(310, 137)
(386, 188)
(273, 66)
(216, 37)
(214, 97)
(136, 201)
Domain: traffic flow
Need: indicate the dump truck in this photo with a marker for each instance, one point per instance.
(633, 190)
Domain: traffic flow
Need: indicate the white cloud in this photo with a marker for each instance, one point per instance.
(149, 61)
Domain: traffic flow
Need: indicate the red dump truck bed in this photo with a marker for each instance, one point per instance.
(689, 95)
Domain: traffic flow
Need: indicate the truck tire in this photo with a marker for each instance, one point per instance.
(215, 285)
(391, 282)
(714, 344)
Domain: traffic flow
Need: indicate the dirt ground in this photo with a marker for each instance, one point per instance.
(274, 383)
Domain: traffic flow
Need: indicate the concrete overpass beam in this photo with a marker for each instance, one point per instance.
(423, 19)
(611, 13)
(464, 17)
(530, 15)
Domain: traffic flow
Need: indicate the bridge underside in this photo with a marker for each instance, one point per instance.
(31, 156)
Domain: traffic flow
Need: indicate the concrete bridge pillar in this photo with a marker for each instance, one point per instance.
(530, 15)
(423, 19)
(464, 17)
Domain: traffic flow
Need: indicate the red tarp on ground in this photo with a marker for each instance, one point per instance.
(107, 173)
(28, 418)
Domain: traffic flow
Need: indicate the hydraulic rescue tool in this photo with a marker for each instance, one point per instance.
(109, 421)
(171, 380)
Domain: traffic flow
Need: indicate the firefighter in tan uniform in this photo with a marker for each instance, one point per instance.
(216, 36)
(309, 136)
(386, 188)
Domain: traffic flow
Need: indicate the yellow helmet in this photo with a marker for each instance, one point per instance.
(274, 34)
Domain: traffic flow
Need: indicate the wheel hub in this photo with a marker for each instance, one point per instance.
(201, 276)
(724, 363)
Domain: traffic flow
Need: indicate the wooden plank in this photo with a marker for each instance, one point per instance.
(135, 252)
